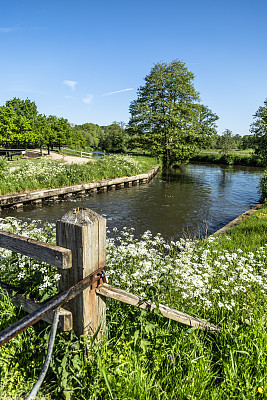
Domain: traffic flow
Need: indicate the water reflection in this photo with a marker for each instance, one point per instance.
(188, 200)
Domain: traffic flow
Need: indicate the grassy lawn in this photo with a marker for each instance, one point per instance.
(145, 356)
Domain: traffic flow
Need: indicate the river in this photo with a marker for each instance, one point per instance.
(193, 200)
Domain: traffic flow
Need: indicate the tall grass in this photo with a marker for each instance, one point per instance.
(145, 356)
(50, 174)
(235, 158)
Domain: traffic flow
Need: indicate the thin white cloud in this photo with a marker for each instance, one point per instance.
(8, 29)
(18, 28)
(88, 99)
(117, 91)
(71, 84)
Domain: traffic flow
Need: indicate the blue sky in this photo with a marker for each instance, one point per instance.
(84, 60)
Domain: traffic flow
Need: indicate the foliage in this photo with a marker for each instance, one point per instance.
(14, 128)
(237, 142)
(232, 157)
(226, 142)
(247, 142)
(50, 174)
(144, 355)
(167, 116)
(114, 139)
(92, 134)
(259, 129)
(22, 126)
(24, 108)
(264, 185)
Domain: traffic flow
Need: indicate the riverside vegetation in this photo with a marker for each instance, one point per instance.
(144, 356)
(45, 173)
(215, 156)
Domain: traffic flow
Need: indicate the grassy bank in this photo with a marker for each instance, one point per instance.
(222, 279)
(233, 157)
(44, 173)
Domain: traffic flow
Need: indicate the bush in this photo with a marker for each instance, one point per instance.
(263, 185)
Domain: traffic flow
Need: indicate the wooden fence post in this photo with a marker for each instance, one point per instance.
(83, 232)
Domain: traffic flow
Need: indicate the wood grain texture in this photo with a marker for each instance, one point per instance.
(84, 232)
(48, 253)
(136, 301)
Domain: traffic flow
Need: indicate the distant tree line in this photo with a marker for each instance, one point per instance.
(22, 126)
(167, 121)
(228, 141)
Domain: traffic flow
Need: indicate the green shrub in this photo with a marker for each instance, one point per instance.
(263, 185)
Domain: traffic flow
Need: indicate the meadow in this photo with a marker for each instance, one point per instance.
(145, 356)
(235, 157)
(45, 173)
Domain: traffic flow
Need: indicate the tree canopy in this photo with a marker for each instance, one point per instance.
(114, 139)
(259, 129)
(22, 126)
(167, 116)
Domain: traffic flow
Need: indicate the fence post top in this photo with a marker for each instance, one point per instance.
(81, 216)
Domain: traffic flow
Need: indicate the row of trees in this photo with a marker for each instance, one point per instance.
(167, 119)
(227, 141)
(22, 126)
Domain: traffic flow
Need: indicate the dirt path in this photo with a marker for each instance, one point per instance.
(67, 159)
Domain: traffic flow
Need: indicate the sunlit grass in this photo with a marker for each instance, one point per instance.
(235, 157)
(49, 174)
(146, 356)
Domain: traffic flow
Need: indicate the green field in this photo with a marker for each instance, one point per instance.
(236, 157)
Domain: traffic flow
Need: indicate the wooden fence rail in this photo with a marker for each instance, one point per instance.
(48, 253)
(80, 255)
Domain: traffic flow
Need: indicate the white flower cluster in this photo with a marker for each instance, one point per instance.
(18, 269)
(191, 272)
(43, 170)
(181, 274)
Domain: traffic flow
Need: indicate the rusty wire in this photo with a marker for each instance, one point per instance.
(30, 319)
(51, 342)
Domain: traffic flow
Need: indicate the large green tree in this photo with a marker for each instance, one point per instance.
(22, 126)
(25, 108)
(259, 129)
(92, 133)
(226, 142)
(15, 130)
(167, 115)
(114, 139)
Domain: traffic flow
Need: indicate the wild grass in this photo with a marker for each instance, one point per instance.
(234, 157)
(146, 356)
(49, 174)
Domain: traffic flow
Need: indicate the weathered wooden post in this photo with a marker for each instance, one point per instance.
(83, 232)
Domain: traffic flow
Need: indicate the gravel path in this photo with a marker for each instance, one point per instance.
(67, 159)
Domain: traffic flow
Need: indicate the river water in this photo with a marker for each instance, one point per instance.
(195, 199)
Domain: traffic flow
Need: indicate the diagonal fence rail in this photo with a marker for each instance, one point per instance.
(80, 256)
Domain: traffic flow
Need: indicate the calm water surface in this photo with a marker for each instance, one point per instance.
(191, 200)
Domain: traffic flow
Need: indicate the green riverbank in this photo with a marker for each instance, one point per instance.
(222, 279)
(45, 174)
(232, 158)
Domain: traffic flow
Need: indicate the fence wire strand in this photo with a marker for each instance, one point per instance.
(51, 342)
